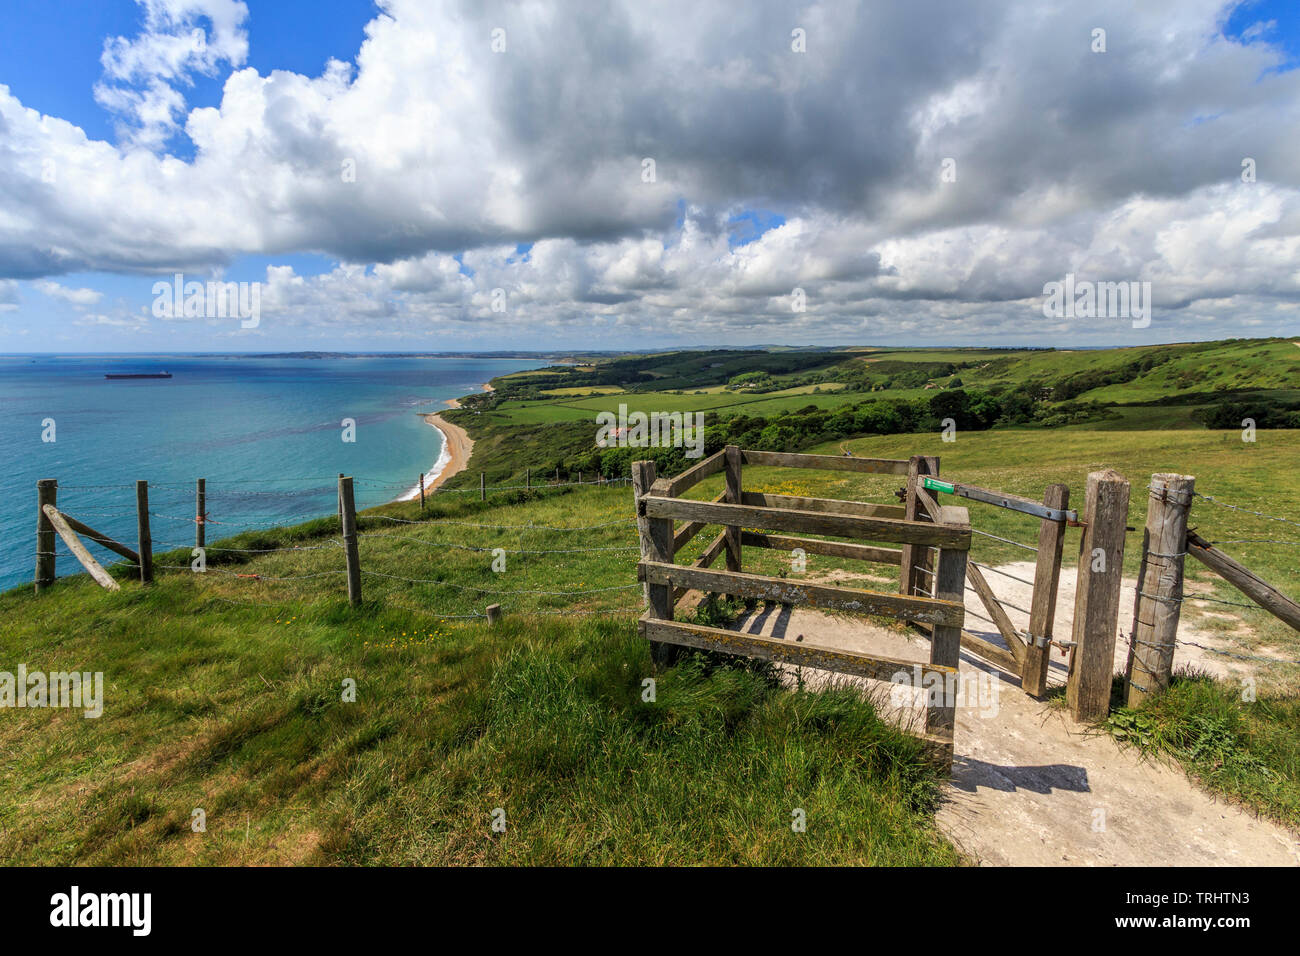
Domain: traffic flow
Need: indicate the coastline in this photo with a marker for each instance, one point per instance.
(455, 402)
(457, 446)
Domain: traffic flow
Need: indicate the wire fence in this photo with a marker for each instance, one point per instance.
(171, 501)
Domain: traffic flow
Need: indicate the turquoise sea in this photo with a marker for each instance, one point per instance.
(265, 433)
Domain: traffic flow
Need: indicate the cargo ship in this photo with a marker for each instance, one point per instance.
(142, 375)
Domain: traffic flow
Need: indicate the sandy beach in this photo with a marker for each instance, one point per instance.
(457, 446)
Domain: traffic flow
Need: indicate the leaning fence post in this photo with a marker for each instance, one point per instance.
(1042, 609)
(350, 540)
(200, 512)
(142, 528)
(1160, 588)
(47, 493)
(1096, 603)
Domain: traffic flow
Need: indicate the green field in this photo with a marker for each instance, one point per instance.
(223, 689)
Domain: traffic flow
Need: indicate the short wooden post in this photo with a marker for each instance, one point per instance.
(579, 477)
(482, 487)
(145, 548)
(421, 491)
(493, 613)
(1096, 603)
(350, 540)
(47, 493)
(915, 556)
(528, 479)
(1042, 608)
(200, 512)
(1160, 588)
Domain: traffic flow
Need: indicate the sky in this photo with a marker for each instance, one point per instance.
(429, 175)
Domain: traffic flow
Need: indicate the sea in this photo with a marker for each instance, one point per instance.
(267, 433)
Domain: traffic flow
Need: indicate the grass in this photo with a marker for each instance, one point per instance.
(224, 689)
(1248, 751)
(225, 693)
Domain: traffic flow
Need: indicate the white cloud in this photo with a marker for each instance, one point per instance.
(141, 73)
(79, 297)
(1066, 161)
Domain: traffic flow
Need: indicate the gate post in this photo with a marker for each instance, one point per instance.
(656, 545)
(914, 555)
(1096, 604)
(734, 492)
(1042, 610)
(1160, 588)
(945, 640)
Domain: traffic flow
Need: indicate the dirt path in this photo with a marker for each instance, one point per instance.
(1030, 787)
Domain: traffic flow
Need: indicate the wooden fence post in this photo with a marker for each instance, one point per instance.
(656, 545)
(145, 548)
(1096, 603)
(1160, 588)
(422, 491)
(643, 476)
(350, 540)
(340, 501)
(1042, 609)
(482, 486)
(47, 493)
(200, 512)
(945, 641)
(493, 613)
(528, 479)
(913, 556)
(734, 494)
(1245, 580)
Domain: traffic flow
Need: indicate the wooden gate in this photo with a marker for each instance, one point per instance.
(1027, 652)
(868, 527)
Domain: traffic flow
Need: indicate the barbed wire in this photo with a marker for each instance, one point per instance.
(1294, 544)
(1213, 650)
(1258, 514)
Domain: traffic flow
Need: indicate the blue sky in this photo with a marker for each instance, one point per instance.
(498, 197)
